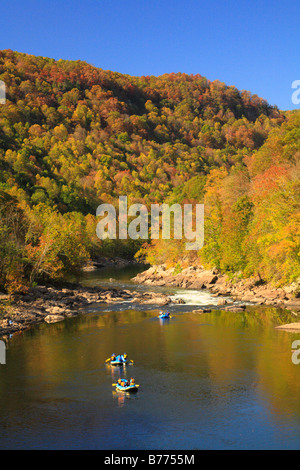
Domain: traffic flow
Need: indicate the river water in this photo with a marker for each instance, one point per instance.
(219, 380)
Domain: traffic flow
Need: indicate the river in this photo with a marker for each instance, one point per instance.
(218, 380)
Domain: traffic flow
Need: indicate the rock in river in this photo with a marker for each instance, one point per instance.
(54, 318)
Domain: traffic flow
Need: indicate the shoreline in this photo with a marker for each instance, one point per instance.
(54, 304)
(243, 290)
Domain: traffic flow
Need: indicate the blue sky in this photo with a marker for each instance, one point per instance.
(253, 45)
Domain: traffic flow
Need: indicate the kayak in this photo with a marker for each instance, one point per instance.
(127, 388)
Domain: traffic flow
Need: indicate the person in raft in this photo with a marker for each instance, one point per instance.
(126, 383)
(119, 358)
(123, 382)
(123, 357)
(165, 314)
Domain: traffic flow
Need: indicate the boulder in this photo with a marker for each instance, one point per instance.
(197, 284)
(55, 310)
(54, 318)
(155, 301)
(202, 310)
(207, 277)
(222, 302)
(289, 326)
(240, 308)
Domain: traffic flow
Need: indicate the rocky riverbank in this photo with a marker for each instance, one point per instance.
(244, 290)
(53, 304)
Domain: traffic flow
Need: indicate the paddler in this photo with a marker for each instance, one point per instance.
(123, 357)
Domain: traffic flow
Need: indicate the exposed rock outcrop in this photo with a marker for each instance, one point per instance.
(245, 290)
(51, 304)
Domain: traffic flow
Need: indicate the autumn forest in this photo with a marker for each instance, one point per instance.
(73, 136)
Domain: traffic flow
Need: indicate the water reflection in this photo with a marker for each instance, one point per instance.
(121, 397)
(214, 380)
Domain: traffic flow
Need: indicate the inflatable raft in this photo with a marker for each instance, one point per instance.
(127, 388)
(164, 315)
(119, 363)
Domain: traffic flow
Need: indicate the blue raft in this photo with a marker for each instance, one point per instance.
(120, 360)
(127, 388)
(164, 315)
(119, 363)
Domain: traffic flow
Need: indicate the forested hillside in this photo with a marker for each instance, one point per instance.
(252, 212)
(73, 136)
